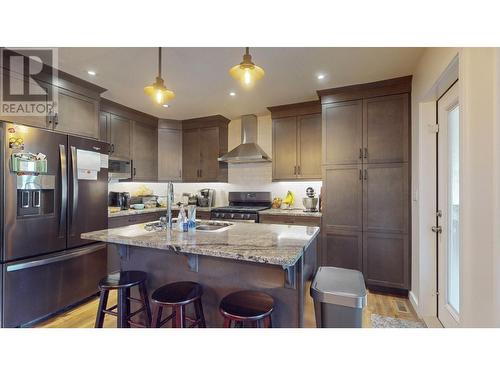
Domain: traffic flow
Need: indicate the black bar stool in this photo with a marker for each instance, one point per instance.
(177, 296)
(247, 306)
(123, 282)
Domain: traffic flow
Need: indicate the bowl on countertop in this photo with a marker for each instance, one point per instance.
(137, 206)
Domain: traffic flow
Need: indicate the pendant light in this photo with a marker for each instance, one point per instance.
(247, 72)
(158, 91)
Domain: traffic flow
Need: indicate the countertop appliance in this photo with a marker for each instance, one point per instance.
(44, 264)
(116, 199)
(206, 197)
(119, 168)
(310, 202)
(243, 206)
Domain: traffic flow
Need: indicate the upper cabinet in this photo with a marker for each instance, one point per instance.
(204, 140)
(169, 150)
(343, 133)
(133, 136)
(76, 109)
(296, 141)
(385, 128)
(144, 152)
(76, 114)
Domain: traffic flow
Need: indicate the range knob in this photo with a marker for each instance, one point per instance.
(217, 214)
(232, 216)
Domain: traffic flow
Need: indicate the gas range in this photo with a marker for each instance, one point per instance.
(243, 206)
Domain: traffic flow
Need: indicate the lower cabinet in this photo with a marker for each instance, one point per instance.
(343, 249)
(385, 260)
(382, 257)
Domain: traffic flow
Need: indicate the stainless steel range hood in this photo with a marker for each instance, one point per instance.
(248, 151)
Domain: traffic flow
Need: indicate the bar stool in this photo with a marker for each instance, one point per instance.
(178, 296)
(123, 282)
(247, 306)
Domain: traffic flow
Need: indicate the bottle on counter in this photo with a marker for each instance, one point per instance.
(191, 219)
(181, 218)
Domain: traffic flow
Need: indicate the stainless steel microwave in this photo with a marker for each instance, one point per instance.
(120, 169)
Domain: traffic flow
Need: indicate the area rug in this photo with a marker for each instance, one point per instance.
(379, 321)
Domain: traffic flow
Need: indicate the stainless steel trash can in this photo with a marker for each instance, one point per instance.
(339, 297)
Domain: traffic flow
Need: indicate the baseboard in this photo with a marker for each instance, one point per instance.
(414, 303)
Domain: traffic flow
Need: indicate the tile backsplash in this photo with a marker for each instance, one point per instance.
(278, 189)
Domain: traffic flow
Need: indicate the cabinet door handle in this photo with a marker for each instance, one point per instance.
(112, 148)
(56, 119)
(134, 172)
(295, 170)
(361, 153)
(366, 152)
(298, 169)
(366, 174)
(49, 116)
(180, 173)
(360, 174)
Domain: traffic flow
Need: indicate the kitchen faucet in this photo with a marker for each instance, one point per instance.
(170, 202)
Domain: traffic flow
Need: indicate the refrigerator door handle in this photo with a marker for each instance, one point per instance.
(64, 190)
(55, 259)
(74, 172)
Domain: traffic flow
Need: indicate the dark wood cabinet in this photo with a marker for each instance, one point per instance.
(75, 106)
(385, 128)
(366, 199)
(204, 140)
(386, 259)
(290, 219)
(144, 152)
(385, 197)
(190, 154)
(17, 84)
(285, 148)
(209, 153)
(309, 147)
(343, 132)
(120, 137)
(76, 114)
(133, 135)
(296, 141)
(343, 249)
(343, 198)
(169, 150)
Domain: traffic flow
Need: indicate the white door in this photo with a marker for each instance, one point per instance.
(448, 226)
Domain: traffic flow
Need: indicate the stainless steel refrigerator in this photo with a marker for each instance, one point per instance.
(46, 204)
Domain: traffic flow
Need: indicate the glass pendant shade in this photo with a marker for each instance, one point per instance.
(247, 72)
(158, 91)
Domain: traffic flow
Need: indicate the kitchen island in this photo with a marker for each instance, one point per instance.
(276, 259)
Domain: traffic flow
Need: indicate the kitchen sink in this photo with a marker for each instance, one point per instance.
(212, 226)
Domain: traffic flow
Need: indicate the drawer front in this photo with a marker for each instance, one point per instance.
(290, 220)
(121, 221)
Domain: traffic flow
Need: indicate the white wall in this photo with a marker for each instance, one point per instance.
(241, 177)
(480, 250)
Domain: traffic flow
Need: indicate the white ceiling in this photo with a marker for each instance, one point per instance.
(199, 76)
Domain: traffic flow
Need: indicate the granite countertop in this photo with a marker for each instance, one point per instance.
(132, 211)
(274, 244)
(289, 212)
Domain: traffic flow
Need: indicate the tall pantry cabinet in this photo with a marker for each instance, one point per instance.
(365, 162)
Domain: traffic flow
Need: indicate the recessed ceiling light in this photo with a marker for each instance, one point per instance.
(91, 72)
(320, 76)
(232, 93)
(165, 105)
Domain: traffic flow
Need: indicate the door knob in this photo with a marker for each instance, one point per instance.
(437, 229)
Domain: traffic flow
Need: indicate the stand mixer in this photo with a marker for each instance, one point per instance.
(310, 202)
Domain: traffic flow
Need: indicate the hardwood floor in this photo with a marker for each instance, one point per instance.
(83, 316)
